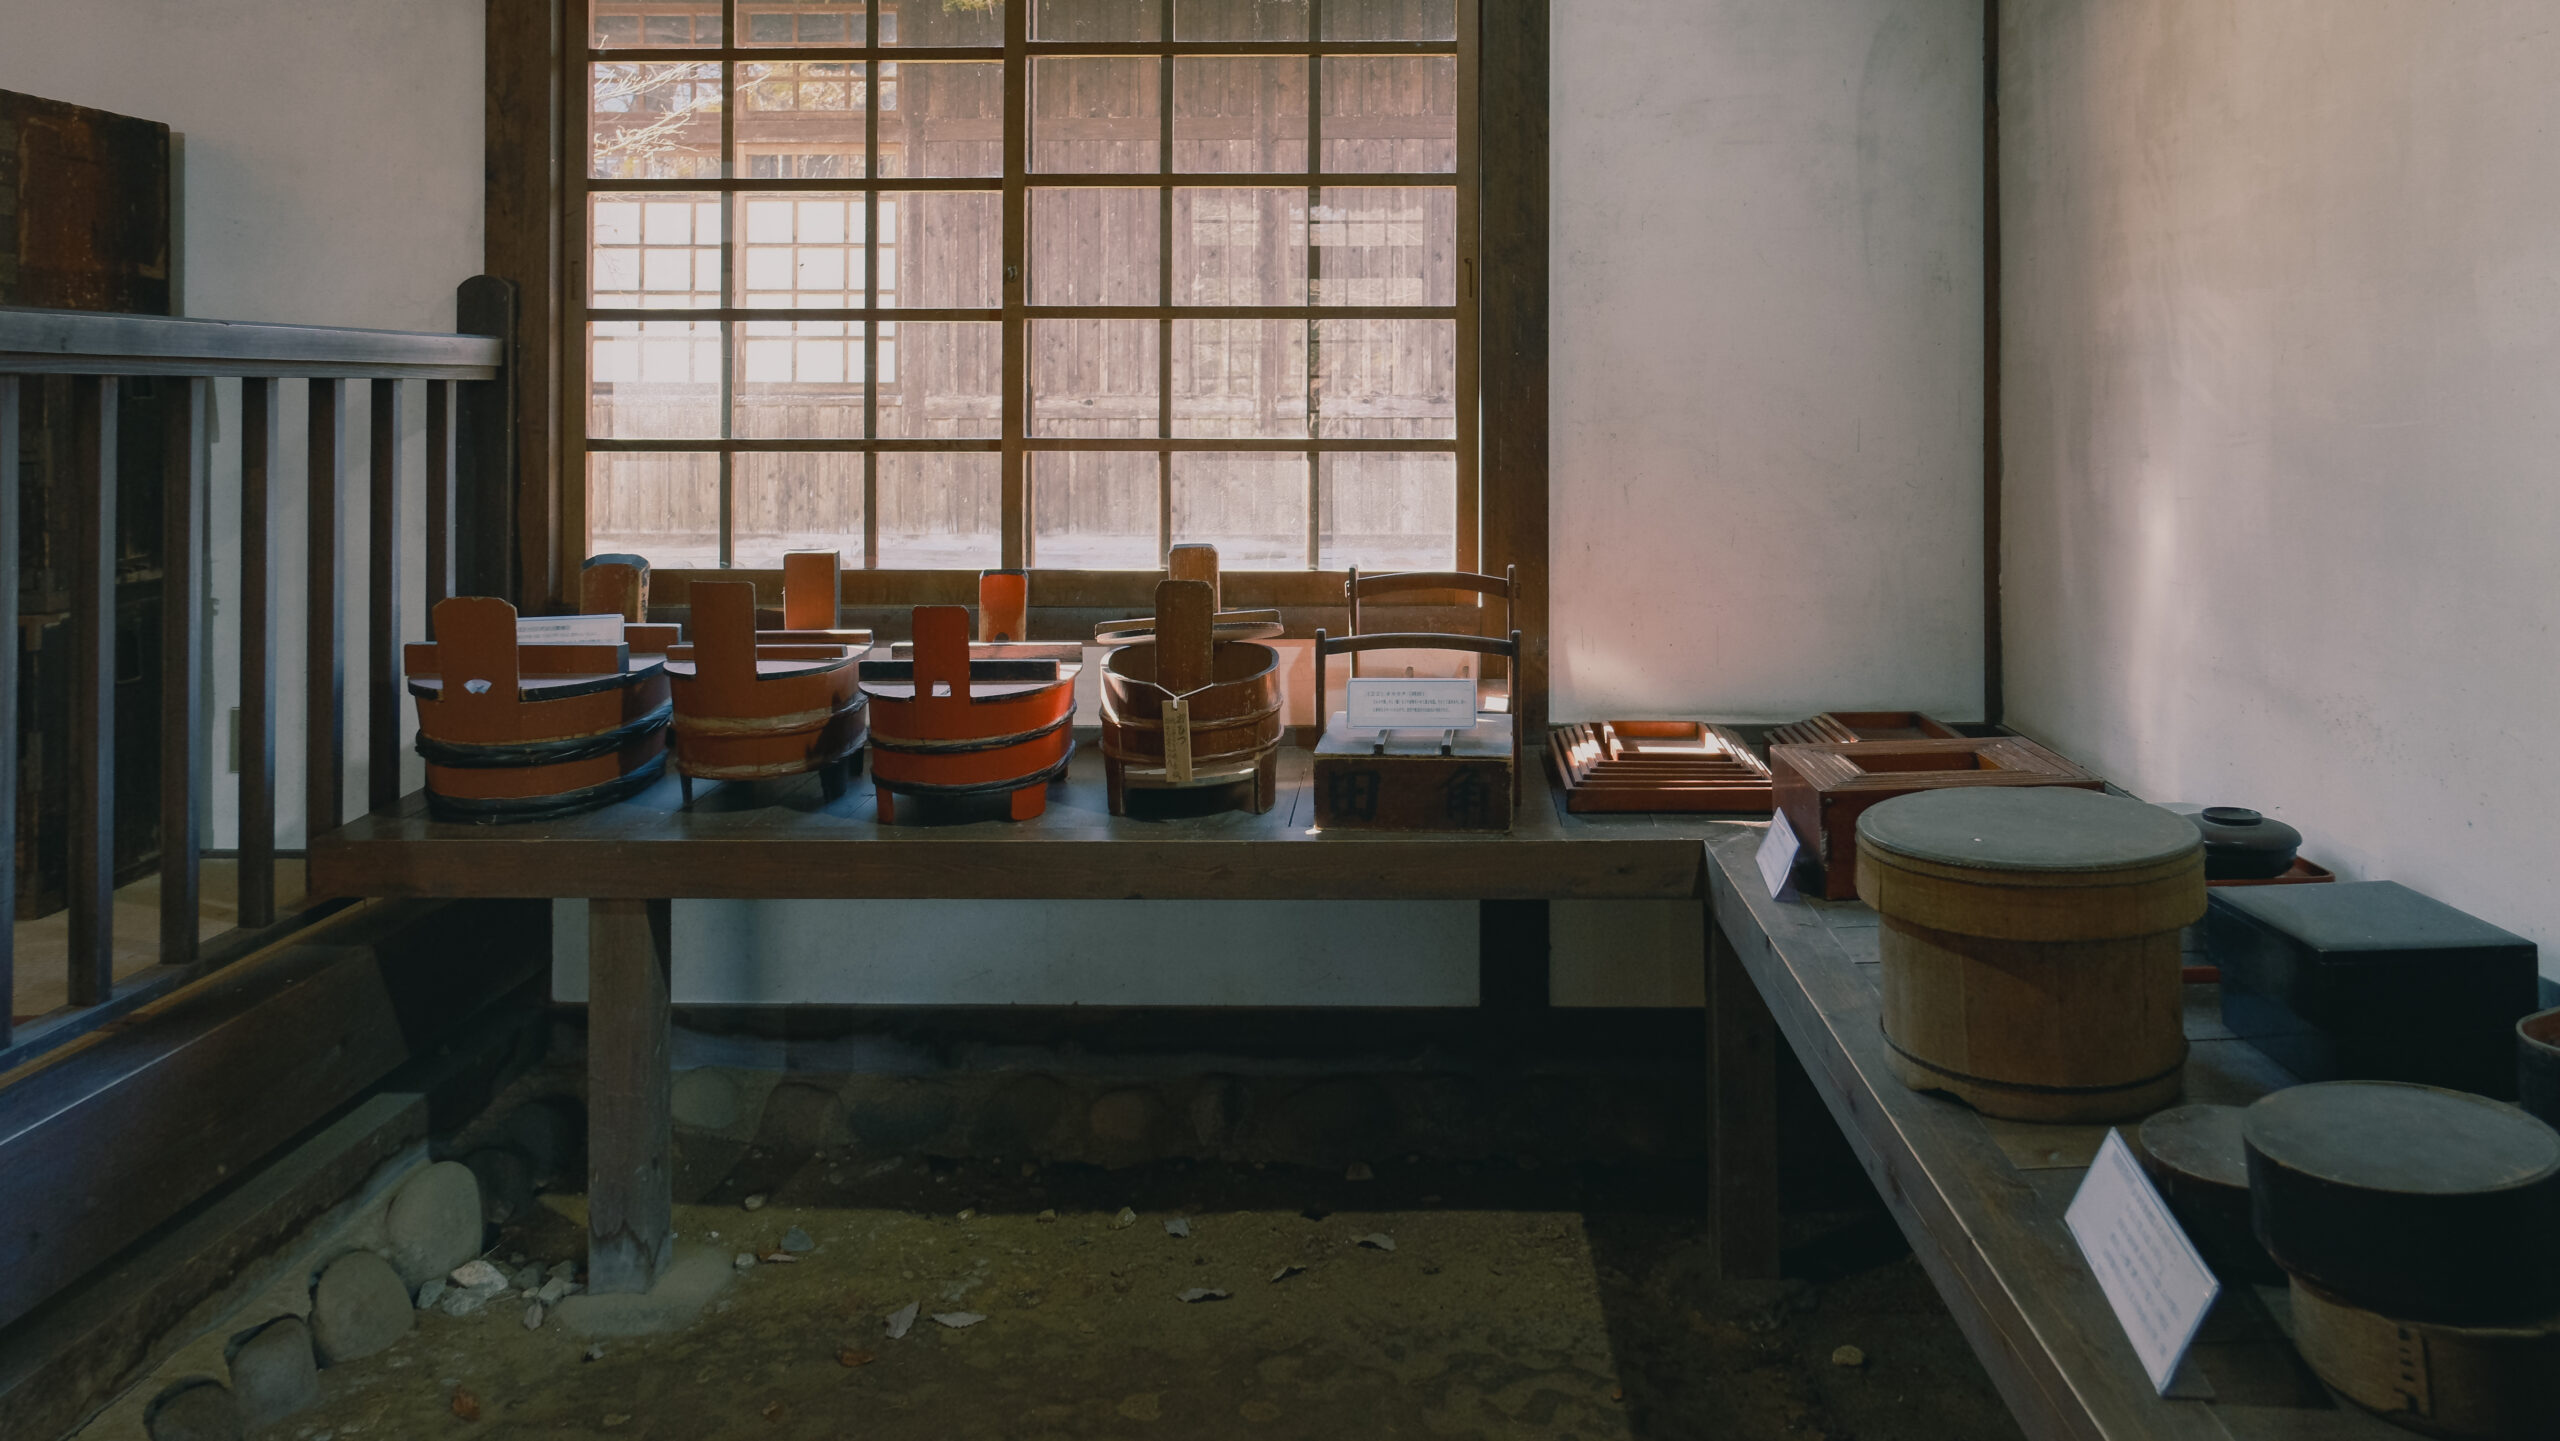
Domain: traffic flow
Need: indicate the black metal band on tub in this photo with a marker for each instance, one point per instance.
(2025, 1087)
(979, 743)
(1040, 777)
(513, 755)
(544, 808)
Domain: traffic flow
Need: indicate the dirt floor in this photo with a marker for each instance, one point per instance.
(1549, 1302)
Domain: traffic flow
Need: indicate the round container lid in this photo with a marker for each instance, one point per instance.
(2201, 1141)
(2028, 828)
(2389, 1136)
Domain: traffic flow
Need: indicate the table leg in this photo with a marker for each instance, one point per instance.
(630, 1204)
(1742, 1110)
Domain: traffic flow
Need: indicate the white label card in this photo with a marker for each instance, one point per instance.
(1778, 858)
(2160, 1288)
(1177, 741)
(1410, 703)
(568, 630)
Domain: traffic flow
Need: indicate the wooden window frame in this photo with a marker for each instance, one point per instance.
(536, 236)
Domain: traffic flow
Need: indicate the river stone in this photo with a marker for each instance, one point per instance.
(359, 1307)
(434, 1222)
(273, 1372)
(197, 1410)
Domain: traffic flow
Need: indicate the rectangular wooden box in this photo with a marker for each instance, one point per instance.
(1823, 789)
(2369, 980)
(1672, 766)
(1413, 787)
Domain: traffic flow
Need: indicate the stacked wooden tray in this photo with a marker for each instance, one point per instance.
(1658, 766)
(1849, 727)
(514, 732)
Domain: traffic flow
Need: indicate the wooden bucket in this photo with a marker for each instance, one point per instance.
(528, 732)
(2030, 947)
(746, 709)
(2476, 1383)
(1232, 694)
(947, 725)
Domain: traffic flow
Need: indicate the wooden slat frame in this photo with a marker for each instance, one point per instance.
(324, 667)
(870, 582)
(91, 961)
(261, 427)
(182, 541)
(10, 385)
(385, 708)
(441, 478)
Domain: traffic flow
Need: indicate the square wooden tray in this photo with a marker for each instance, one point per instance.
(1823, 789)
(1673, 766)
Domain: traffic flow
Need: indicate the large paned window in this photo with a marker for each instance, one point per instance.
(945, 285)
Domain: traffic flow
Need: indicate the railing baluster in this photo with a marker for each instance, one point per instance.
(261, 420)
(8, 708)
(440, 458)
(91, 963)
(324, 669)
(182, 501)
(382, 659)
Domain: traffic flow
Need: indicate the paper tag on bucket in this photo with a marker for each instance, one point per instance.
(1177, 741)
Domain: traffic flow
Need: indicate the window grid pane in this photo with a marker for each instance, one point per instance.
(1186, 346)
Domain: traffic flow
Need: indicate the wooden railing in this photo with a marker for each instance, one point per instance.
(468, 465)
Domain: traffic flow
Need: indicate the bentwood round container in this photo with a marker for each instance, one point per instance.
(2030, 947)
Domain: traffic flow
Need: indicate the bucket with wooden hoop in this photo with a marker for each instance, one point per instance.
(527, 732)
(1187, 710)
(748, 708)
(949, 725)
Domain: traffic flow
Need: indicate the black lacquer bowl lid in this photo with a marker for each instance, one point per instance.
(2242, 845)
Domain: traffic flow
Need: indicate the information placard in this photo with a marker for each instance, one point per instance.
(1778, 858)
(568, 630)
(2160, 1288)
(1410, 703)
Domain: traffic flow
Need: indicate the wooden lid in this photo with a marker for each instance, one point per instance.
(2030, 863)
(2413, 1201)
(2394, 1137)
(2200, 1144)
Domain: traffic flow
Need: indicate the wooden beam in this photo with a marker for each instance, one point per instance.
(182, 738)
(93, 691)
(113, 1134)
(1742, 1117)
(440, 493)
(485, 451)
(1994, 669)
(324, 672)
(261, 423)
(70, 342)
(1512, 320)
(630, 1200)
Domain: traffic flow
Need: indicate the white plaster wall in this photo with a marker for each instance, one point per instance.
(1766, 240)
(329, 173)
(2281, 383)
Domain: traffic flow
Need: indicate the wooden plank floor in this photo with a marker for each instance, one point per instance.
(1982, 1200)
(789, 840)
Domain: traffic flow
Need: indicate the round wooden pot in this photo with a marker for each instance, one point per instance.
(2197, 1159)
(2030, 946)
(2413, 1201)
(1233, 722)
(2476, 1383)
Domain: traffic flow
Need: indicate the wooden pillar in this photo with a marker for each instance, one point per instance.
(440, 492)
(182, 746)
(1742, 1112)
(91, 976)
(630, 1204)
